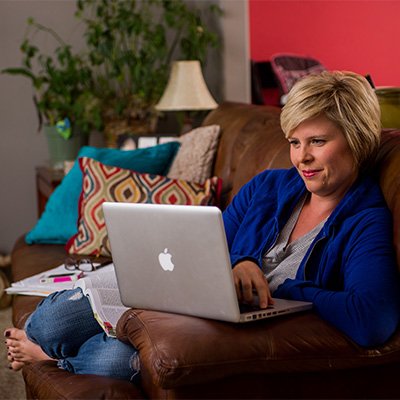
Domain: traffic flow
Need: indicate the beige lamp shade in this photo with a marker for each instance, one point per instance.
(186, 89)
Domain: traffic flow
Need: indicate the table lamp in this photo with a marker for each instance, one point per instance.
(186, 91)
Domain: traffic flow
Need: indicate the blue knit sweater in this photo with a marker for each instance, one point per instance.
(349, 272)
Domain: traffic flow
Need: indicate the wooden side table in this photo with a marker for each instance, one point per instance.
(47, 179)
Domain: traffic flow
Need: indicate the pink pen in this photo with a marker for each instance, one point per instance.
(60, 278)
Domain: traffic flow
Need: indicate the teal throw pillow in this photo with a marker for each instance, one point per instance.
(59, 219)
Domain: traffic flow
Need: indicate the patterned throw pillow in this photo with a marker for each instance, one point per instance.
(289, 68)
(289, 78)
(106, 183)
(196, 155)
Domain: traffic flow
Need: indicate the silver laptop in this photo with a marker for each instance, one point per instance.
(176, 259)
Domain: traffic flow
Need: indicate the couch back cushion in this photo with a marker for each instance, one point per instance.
(389, 170)
(251, 140)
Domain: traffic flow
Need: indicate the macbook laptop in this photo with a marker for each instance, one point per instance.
(175, 259)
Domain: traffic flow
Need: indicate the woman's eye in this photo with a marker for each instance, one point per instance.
(293, 143)
(318, 142)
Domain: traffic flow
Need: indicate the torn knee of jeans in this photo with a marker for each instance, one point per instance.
(135, 362)
(76, 296)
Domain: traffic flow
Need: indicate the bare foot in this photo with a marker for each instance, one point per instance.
(21, 350)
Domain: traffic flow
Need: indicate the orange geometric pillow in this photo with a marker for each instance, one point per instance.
(106, 183)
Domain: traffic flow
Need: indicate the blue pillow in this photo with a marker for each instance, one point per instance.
(59, 219)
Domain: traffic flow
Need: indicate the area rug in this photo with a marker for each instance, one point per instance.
(11, 383)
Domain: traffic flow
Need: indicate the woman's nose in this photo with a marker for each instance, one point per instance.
(305, 154)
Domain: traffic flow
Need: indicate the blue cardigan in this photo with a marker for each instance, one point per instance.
(349, 272)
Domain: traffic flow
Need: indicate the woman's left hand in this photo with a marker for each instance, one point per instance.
(248, 278)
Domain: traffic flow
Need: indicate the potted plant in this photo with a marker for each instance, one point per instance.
(131, 45)
(63, 96)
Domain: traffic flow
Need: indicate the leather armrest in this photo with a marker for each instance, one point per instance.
(179, 350)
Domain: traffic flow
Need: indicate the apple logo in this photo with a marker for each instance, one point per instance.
(165, 261)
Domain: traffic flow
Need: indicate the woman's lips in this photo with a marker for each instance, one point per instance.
(309, 173)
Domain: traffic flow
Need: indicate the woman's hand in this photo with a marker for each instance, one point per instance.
(248, 278)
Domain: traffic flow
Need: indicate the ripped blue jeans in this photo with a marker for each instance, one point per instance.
(64, 327)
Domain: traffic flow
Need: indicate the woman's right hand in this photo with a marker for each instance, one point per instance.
(248, 279)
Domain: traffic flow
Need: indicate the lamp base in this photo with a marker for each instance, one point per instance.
(187, 124)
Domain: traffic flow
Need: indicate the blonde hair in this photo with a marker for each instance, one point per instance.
(345, 98)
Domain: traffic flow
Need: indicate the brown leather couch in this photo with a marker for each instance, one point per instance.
(298, 356)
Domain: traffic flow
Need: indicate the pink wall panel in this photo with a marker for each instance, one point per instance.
(357, 35)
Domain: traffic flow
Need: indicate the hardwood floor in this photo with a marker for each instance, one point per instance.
(11, 383)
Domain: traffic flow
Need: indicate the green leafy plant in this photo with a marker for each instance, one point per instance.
(62, 82)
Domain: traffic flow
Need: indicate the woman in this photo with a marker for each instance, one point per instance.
(321, 232)
(318, 232)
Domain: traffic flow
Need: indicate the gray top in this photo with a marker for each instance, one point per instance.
(282, 260)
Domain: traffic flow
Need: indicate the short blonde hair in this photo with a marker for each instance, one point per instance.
(345, 98)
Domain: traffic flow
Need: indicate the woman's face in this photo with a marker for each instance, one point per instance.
(322, 156)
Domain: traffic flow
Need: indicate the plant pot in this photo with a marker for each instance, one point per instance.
(61, 149)
(389, 101)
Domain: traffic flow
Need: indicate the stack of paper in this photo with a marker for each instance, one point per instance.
(33, 287)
